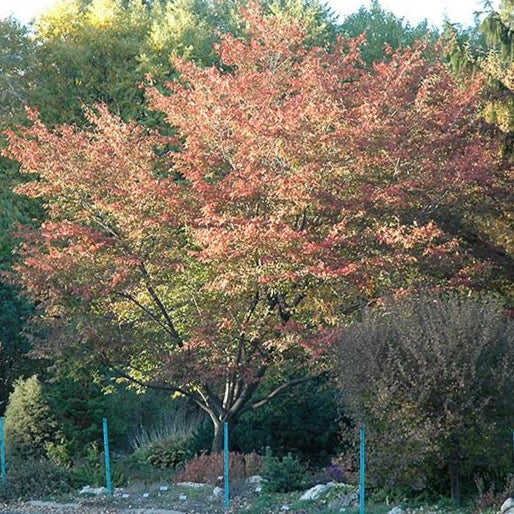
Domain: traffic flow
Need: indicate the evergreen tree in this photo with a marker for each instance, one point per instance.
(383, 30)
(29, 423)
(488, 48)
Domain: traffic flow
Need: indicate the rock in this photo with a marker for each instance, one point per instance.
(95, 491)
(146, 495)
(346, 499)
(396, 510)
(285, 507)
(182, 497)
(507, 506)
(53, 505)
(316, 491)
(194, 485)
(254, 479)
(217, 491)
(125, 495)
(258, 489)
(163, 488)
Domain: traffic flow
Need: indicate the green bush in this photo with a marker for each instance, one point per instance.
(34, 478)
(90, 469)
(171, 453)
(29, 423)
(283, 475)
(137, 469)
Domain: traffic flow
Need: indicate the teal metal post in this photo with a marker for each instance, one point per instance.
(362, 472)
(226, 464)
(2, 450)
(107, 458)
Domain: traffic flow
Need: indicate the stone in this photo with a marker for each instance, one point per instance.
(254, 479)
(217, 491)
(54, 505)
(258, 489)
(146, 495)
(285, 507)
(194, 485)
(95, 491)
(182, 497)
(396, 510)
(347, 498)
(507, 506)
(163, 488)
(315, 492)
(125, 495)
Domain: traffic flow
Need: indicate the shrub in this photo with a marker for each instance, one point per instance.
(29, 423)
(34, 478)
(283, 475)
(90, 469)
(208, 468)
(431, 378)
(170, 453)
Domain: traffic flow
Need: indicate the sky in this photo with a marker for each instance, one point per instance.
(435, 11)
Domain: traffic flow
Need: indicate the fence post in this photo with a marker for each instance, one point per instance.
(107, 458)
(2, 450)
(226, 465)
(362, 472)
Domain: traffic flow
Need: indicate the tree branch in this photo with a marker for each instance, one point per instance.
(259, 402)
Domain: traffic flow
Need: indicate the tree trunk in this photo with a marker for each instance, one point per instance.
(217, 440)
(455, 483)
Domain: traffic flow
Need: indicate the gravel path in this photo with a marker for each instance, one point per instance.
(40, 507)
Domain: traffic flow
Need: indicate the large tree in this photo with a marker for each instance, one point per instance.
(296, 186)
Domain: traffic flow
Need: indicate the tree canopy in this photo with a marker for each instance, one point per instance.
(296, 186)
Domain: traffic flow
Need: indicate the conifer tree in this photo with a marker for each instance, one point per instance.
(29, 424)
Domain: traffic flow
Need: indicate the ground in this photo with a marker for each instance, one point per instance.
(188, 500)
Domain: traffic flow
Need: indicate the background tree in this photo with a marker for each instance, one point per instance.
(298, 186)
(384, 31)
(16, 66)
(487, 224)
(430, 377)
(100, 50)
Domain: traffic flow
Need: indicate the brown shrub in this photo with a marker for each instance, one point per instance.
(209, 468)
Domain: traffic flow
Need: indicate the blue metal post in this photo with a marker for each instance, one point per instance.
(362, 472)
(107, 458)
(226, 464)
(2, 450)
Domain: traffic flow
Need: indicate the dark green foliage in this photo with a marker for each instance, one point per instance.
(90, 468)
(171, 453)
(383, 29)
(135, 468)
(431, 378)
(29, 423)
(80, 405)
(305, 421)
(14, 347)
(283, 474)
(30, 478)
(16, 60)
